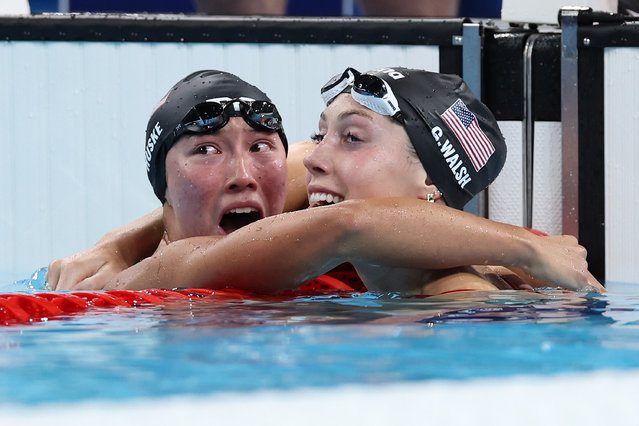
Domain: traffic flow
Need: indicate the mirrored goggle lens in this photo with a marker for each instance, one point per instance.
(370, 85)
(209, 116)
(264, 114)
(369, 90)
(375, 94)
(204, 117)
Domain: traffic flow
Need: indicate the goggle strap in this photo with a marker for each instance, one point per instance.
(379, 105)
(330, 94)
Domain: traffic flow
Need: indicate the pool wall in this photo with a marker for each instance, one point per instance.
(77, 91)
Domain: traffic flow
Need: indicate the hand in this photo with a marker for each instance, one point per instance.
(89, 269)
(515, 278)
(561, 261)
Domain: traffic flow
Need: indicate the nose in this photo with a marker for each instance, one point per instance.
(241, 175)
(318, 162)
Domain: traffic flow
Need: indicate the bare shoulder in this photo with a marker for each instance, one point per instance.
(298, 150)
(296, 191)
(461, 279)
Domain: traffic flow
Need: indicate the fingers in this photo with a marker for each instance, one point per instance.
(563, 263)
(73, 272)
(594, 283)
(96, 282)
(53, 274)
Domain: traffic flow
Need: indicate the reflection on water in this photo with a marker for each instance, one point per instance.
(206, 345)
(370, 308)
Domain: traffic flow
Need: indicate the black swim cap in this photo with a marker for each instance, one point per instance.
(172, 109)
(455, 135)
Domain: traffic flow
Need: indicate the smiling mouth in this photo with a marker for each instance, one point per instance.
(237, 218)
(316, 199)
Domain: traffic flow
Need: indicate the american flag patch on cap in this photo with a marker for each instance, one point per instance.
(465, 126)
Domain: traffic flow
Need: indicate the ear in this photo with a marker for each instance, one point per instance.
(428, 188)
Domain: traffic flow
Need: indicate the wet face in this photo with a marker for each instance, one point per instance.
(361, 154)
(219, 182)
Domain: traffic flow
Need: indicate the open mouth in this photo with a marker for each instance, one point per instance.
(237, 218)
(317, 199)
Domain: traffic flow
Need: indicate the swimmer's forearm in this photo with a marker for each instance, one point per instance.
(270, 255)
(115, 252)
(286, 250)
(136, 240)
(412, 233)
(405, 232)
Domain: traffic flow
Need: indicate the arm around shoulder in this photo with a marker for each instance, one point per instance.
(116, 251)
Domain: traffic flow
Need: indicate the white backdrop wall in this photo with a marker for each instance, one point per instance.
(506, 193)
(621, 153)
(73, 117)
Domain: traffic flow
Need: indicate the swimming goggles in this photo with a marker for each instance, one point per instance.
(368, 90)
(213, 114)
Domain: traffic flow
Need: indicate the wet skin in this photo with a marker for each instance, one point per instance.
(219, 182)
(361, 154)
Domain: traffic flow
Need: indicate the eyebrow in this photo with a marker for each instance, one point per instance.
(262, 131)
(348, 113)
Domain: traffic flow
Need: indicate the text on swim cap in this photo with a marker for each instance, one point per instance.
(150, 144)
(452, 158)
(395, 75)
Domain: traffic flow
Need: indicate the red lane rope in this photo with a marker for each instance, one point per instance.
(16, 309)
(32, 308)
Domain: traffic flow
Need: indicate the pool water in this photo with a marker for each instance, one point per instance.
(207, 346)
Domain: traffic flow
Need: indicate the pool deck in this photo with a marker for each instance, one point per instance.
(597, 398)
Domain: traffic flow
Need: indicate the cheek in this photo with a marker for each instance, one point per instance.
(187, 186)
(380, 176)
(272, 179)
(407, 180)
(361, 175)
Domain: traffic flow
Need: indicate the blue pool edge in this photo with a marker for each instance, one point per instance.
(601, 397)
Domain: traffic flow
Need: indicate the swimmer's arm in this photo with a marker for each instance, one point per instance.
(519, 279)
(287, 250)
(116, 251)
(128, 244)
(443, 238)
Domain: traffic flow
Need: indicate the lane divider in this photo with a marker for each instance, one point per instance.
(19, 309)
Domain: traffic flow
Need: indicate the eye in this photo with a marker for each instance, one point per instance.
(260, 147)
(317, 137)
(350, 137)
(206, 149)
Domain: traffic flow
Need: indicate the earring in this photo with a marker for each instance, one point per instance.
(433, 196)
